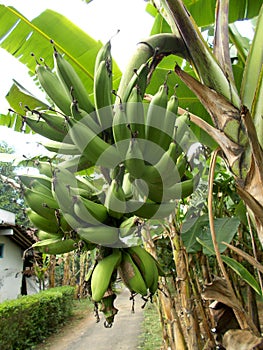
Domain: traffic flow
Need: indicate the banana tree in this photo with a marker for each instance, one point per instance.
(203, 74)
(236, 113)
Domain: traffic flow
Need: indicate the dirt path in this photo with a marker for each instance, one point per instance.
(89, 335)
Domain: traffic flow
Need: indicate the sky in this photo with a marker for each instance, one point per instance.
(100, 19)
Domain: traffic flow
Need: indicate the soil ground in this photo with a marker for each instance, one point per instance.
(87, 334)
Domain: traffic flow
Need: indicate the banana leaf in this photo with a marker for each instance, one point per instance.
(21, 37)
(253, 67)
(195, 229)
(17, 95)
(238, 10)
(242, 272)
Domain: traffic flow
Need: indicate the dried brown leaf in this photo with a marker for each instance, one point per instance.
(241, 339)
(218, 290)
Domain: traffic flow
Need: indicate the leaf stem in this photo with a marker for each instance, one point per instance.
(254, 249)
(242, 317)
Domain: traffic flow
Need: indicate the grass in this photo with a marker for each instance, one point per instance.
(151, 336)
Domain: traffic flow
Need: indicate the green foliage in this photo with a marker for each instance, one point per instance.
(238, 268)
(225, 228)
(27, 320)
(242, 272)
(21, 38)
(151, 336)
(11, 198)
(238, 10)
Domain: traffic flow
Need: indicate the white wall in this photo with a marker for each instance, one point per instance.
(11, 266)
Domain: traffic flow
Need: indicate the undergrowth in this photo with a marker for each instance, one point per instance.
(151, 336)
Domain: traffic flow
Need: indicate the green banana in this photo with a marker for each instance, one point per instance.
(72, 82)
(181, 126)
(76, 191)
(62, 184)
(54, 88)
(165, 170)
(60, 147)
(40, 203)
(42, 235)
(27, 180)
(150, 210)
(92, 147)
(129, 226)
(103, 54)
(39, 187)
(147, 266)
(127, 186)
(58, 221)
(43, 224)
(54, 246)
(102, 274)
(181, 164)
(103, 94)
(160, 193)
(89, 119)
(115, 200)
(167, 131)
(56, 122)
(45, 168)
(135, 113)
(42, 128)
(102, 235)
(130, 275)
(139, 79)
(87, 189)
(77, 163)
(134, 160)
(121, 132)
(156, 114)
(89, 211)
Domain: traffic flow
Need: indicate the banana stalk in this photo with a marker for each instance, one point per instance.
(208, 69)
(164, 43)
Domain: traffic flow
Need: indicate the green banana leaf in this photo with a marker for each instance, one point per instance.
(237, 267)
(194, 230)
(191, 229)
(253, 67)
(238, 10)
(15, 96)
(21, 38)
(203, 11)
(242, 272)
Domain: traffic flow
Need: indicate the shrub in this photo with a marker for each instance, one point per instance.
(24, 322)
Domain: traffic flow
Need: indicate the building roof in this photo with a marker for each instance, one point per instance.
(22, 236)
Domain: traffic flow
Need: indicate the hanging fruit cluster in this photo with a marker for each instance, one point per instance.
(138, 146)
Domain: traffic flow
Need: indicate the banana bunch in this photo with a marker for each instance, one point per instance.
(152, 140)
(138, 271)
(136, 267)
(43, 211)
(139, 144)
